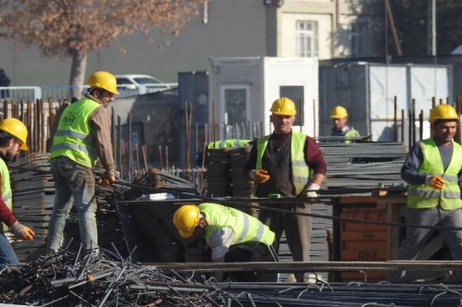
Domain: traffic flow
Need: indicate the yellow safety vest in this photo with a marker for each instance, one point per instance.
(422, 196)
(301, 173)
(7, 193)
(73, 137)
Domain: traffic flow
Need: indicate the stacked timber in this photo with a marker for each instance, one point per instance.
(238, 158)
(219, 175)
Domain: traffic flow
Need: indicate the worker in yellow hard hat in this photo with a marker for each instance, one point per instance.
(83, 134)
(232, 235)
(288, 163)
(433, 169)
(13, 137)
(340, 128)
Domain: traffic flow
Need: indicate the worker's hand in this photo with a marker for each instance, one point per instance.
(106, 179)
(22, 232)
(260, 176)
(310, 192)
(435, 181)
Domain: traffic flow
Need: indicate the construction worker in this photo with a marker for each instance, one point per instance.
(232, 236)
(288, 163)
(432, 169)
(13, 137)
(340, 128)
(82, 135)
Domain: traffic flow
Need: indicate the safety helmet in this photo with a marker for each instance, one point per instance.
(283, 106)
(338, 112)
(103, 80)
(443, 112)
(185, 219)
(15, 128)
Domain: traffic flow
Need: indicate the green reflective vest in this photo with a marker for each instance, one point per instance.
(7, 194)
(73, 136)
(422, 196)
(228, 143)
(351, 133)
(246, 227)
(301, 173)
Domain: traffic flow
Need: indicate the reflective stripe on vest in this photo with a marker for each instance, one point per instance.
(246, 228)
(6, 188)
(73, 137)
(301, 173)
(228, 143)
(423, 196)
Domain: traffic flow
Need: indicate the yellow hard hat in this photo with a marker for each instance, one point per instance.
(185, 219)
(444, 112)
(103, 80)
(283, 106)
(15, 128)
(338, 112)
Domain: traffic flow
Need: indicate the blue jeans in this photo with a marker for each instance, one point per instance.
(7, 254)
(73, 183)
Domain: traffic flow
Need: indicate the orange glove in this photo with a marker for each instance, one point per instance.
(435, 181)
(261, 176)
(28, 234)
(22, 232)
(106, 179)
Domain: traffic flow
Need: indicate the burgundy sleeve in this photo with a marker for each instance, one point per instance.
(6, 216)
(314, 157)
(251, 161)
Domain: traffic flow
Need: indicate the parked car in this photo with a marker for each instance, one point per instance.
(141, 84)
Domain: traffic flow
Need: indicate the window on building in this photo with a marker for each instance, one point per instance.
(359, 39)
(236, 101)
(307, 38)
(295, 93)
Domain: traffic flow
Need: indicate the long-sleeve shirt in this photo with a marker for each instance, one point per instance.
(100, 123)
(313, 155)
(415, 158)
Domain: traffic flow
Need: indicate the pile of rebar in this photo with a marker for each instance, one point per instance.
(104, 278)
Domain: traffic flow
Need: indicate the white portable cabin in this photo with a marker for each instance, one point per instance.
(243, 89)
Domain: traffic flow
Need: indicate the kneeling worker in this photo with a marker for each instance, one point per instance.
(232, 235)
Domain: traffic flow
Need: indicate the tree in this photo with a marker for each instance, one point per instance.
(73, 28)
(412, 18)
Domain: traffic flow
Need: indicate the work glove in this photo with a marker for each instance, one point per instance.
(435, 181)
(106, 179)
(260, 176)
(310, 192)
(22, 232)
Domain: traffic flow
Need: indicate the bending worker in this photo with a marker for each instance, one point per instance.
(340, 128)
(432, 169)
(289, 163)
(82, 135)
(13, 137)
(232, 235)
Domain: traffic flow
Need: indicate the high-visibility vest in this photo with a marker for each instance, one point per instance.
(301, 173)
(422, 196)
(246, 227)
(73, 137)
(228, 143)
(7, 193)
(350, 133)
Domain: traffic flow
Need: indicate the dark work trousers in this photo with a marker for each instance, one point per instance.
(296, 227)
(249, 252)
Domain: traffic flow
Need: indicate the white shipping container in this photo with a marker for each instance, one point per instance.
(243, 90)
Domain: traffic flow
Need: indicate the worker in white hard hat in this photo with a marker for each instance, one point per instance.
(340, 128)
(433, 169)
(291, 164)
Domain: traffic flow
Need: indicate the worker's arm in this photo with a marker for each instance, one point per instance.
(411, 164)
(315, 161)
(101, 134)
(220, 241)
(251, 162)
